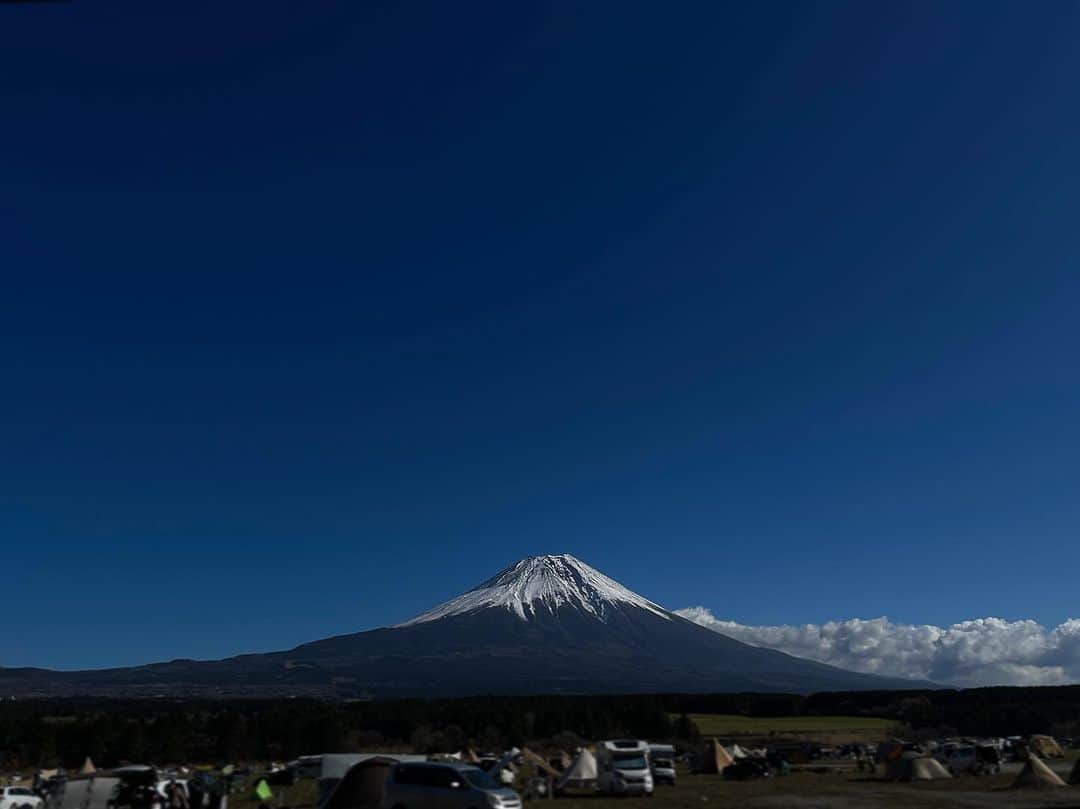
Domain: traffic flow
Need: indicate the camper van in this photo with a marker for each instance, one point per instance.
(623, 768)
(662, 763)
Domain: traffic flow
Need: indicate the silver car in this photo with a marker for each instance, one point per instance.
(432, 785)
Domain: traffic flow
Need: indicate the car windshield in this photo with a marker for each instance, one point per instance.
(479, 779)
(630, 763)
(19, 791)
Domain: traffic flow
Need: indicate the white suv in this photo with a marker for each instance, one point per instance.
(19, 798)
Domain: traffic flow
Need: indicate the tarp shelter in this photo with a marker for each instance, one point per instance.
(88, 767)
(714, 758)
(581, 773)
(351, 781)
(912, 766)
(1046, 746)
(1036, 773)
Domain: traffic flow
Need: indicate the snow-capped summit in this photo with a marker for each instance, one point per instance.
(544, 583)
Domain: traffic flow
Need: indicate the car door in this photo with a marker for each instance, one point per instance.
(408, 788)
(445, 788)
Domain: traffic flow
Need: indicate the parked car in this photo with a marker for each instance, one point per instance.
(960, 760)
(19, 798)
(432, 785)
(662, 763)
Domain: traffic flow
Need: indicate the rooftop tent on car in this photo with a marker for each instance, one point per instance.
(346, 780)
(363, 785)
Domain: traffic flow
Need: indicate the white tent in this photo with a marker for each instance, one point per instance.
(737, 752)
(1037, 774)
(582, 773)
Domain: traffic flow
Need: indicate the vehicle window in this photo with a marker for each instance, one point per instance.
(19, 791)
(439, 777)
(630, 763)
(479, 779)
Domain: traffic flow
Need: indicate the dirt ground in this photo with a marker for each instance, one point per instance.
(840, 790)
(837, 786)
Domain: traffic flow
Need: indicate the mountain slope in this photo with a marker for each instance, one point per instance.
(548, 624)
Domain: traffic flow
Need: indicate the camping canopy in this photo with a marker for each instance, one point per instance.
(1036, 773)
(581, 773)
(912, 766)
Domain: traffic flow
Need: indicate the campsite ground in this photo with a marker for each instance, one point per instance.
(836, 788)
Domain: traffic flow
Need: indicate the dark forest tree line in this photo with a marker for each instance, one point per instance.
(63, 732)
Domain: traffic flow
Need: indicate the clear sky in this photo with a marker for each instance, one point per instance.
(314, 315)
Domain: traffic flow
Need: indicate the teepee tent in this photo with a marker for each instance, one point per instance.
(1037, 774)
(582, 773)
(88, 767)
(714, 758)
(912, 766)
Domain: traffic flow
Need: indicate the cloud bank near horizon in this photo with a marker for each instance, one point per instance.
(983, 651)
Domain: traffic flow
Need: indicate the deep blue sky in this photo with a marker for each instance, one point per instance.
(314, 315)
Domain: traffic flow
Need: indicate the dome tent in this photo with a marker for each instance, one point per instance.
(912, 766)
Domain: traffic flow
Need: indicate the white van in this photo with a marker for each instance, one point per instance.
(623, 768)
(662, 763)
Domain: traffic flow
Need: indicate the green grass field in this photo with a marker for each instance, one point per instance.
(728, 725)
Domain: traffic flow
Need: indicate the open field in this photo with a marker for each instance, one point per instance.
(860, 727)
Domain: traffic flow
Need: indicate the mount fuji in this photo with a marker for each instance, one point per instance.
(546, 624)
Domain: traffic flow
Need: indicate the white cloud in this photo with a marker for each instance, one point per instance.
(984, 651)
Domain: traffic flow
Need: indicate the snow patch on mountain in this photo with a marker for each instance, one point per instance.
(544, 582)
